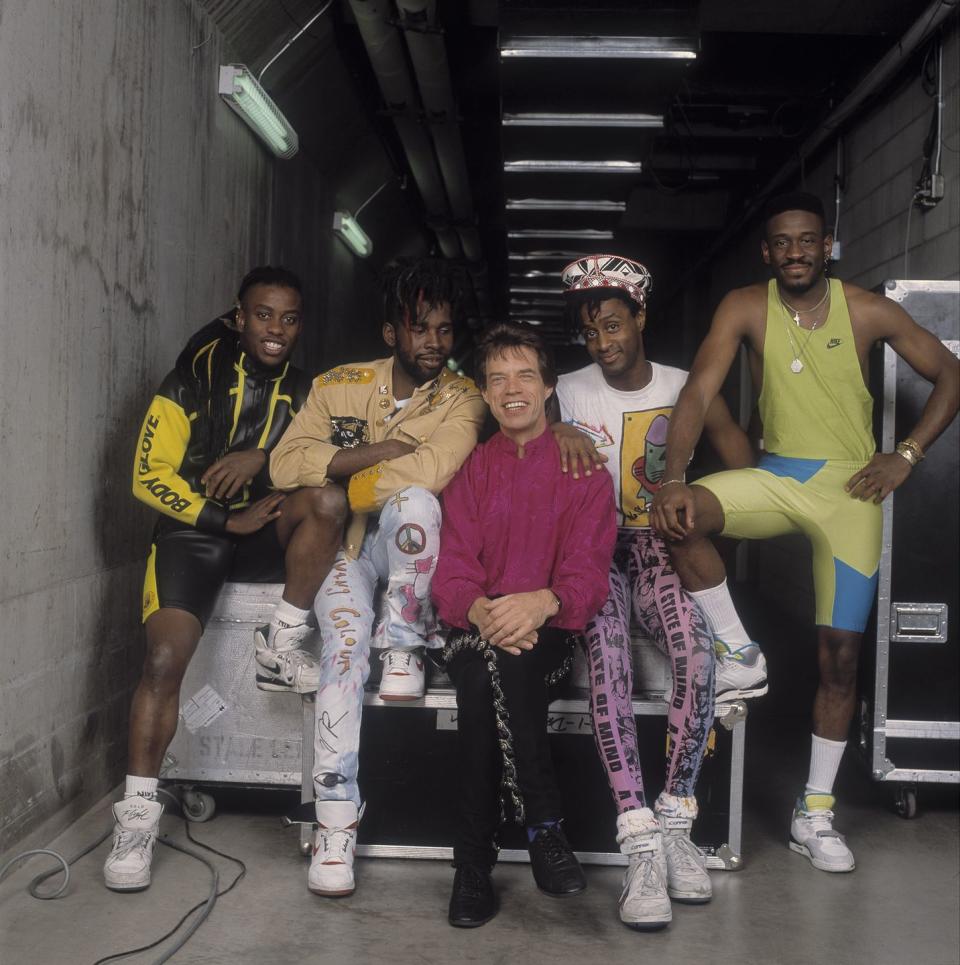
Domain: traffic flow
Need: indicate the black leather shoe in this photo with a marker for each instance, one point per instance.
(473, 902)
(555, 867)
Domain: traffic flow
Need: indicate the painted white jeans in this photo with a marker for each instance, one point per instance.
(401, 552)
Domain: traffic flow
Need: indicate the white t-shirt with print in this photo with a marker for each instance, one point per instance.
(630, 428)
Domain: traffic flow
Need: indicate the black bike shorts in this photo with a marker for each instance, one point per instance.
(187, 567)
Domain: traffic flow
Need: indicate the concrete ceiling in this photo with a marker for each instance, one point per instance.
(764, 77)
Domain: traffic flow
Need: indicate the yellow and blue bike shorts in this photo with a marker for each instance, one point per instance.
(787, 495)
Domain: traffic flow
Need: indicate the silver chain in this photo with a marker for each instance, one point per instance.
(509, 789)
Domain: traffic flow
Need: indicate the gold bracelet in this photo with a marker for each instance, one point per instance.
(914, 446)
(682, 482)
(907, 453)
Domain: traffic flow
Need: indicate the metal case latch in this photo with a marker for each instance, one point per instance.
(914, 622)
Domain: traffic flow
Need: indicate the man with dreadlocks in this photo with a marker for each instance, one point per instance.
(524, 554)
(201, 463)
(393, 432)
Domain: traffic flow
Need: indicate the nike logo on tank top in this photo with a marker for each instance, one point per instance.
(822, 411)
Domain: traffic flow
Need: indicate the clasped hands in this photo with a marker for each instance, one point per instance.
(511, 622)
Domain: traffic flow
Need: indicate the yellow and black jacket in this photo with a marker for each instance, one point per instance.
(170, 459)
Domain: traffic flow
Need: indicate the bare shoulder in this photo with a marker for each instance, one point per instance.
(742, 309)
(873, 314)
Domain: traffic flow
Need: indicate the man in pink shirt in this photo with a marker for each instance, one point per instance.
(524, 555)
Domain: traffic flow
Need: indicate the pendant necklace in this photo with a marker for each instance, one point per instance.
(796, 366)
(797, 312)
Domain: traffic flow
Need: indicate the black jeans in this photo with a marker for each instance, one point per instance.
(522, 680)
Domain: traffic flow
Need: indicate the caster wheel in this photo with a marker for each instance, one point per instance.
(906, 803)
(198, 806)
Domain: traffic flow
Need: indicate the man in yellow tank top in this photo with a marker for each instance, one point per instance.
(808, 339)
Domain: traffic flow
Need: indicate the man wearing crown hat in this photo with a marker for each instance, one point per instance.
(623, 401)
(808, 339)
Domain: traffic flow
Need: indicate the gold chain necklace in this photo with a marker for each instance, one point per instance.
(797, 312)
(796, 366)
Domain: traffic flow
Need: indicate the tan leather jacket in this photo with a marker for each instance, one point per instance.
(348, 406)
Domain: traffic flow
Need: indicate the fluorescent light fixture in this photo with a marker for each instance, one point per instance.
(356, 239)
(527, 321)
(572, 167)
(589, 234)
(559, 204)
(240, 89)
(533, 290)
(602, 48)
(545, 255)
(539, 119)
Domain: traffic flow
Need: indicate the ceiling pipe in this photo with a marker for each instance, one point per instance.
(385, 50)
(884, 71)
(428, 53)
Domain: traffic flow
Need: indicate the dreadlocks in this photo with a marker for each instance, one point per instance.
(206, 364)
(412, 286)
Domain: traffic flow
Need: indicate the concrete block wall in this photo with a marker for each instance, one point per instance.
(884, 157)
(131, 202)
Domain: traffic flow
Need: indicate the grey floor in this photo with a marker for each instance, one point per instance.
(900, 906)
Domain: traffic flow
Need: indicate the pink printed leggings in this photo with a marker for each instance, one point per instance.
(642, 580)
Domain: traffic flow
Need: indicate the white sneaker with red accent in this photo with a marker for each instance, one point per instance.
(331, 867)
(403, 675)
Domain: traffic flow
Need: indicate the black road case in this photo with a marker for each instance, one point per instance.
(408, 773)
(910, 724)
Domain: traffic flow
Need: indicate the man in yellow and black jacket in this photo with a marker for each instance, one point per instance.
(201, 462)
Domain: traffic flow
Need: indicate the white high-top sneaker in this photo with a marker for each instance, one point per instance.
(284, 666)
(331, 868)
(687, 877)
(812, 834)
(740, 673)
(644, 903)
(127, 867)
(404, 674)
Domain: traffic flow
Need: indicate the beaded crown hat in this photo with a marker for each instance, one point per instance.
(608, 271)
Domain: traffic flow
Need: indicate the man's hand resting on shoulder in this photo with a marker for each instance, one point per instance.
(577, 450)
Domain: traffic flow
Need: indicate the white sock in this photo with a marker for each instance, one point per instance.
(140, 787)
(721, 615)
(824, 761)
(286, 615)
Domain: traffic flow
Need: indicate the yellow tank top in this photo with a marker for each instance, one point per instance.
(824, 411)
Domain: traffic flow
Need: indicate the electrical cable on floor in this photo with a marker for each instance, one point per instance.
(206, 906)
